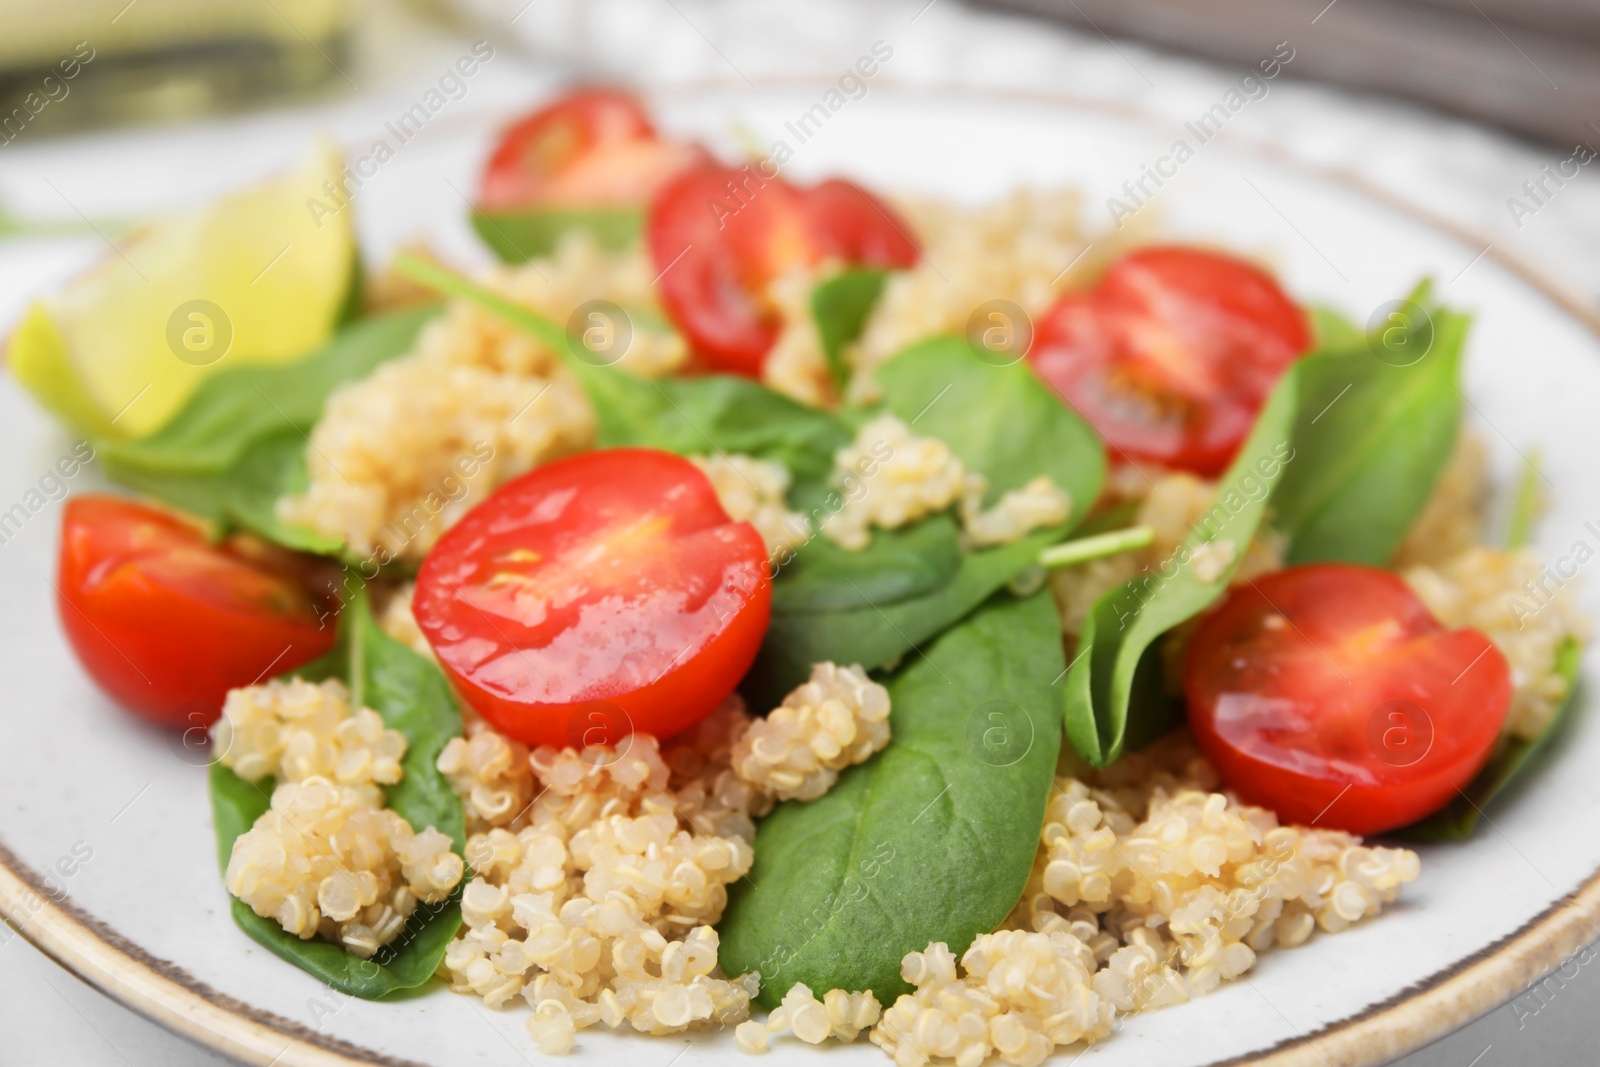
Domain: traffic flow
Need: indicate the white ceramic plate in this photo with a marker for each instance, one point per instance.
(145, 917)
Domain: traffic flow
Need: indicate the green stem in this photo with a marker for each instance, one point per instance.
(1084, 549)
(447, 282)
(1525, 505)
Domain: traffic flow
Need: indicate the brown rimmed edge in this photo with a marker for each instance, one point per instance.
(1412, 1018)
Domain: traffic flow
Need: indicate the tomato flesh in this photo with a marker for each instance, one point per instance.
(1171, 354)
(592, 147)
(608, 585)
(1329, 694)
(720, 235)
(166, 622)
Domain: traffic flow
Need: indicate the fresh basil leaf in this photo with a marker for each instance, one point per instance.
(1371, 441)
(534, 233)
(1457, 820)
(411, 696)
(239, 405)
(839, 307)
(1129, 619)
(930, 840)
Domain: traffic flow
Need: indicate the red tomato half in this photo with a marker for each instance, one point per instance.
(1329, 694)
(611, 582)
(590, 148)
(720, 235)
(1172, 354)
(166, 622)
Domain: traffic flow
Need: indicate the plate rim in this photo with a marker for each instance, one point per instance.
(1468, 989)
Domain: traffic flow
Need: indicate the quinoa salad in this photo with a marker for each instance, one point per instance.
(794, 610)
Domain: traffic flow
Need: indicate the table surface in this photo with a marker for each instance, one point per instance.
(1466, 173)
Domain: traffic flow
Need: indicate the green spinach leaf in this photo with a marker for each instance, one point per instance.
(897, 565)
(880, 635)
(239, 443)
(1128, 620)
(237, 406)
(715, 413)
(1374, 438)
(930, 840)
(733, 415)
(1000, 419)
(533, 233)
(1332, 331)
(839, 307)
(271, 468)
(1003, 423)
(1457, 820)
(411, 696)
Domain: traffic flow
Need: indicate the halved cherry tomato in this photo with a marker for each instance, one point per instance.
(1329, 694)
(1172, 354)
(596, 595)
(720, 235)
(167, 622)
(590, 148)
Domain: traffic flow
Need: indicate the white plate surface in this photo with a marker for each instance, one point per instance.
(77, 773)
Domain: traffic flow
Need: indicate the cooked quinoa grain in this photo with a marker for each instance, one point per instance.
(595, 902)
(1452, 520)
(327, 857)
(1021, 996)
(1016, 514)
(1146, 855)
(1024, 249)
(838, 718)
(398, 622)
(840, 1015)
(892, 477)
(752, 490)
(402, 454)
(489, 772)
(293, 730)
(1497, 591)
(750, 1037)
(796, 365)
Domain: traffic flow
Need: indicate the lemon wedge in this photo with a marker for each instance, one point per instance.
(261, 276)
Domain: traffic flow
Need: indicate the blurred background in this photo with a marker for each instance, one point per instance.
(1482, 113)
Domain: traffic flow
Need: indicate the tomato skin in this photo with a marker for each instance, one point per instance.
(857, 227)
(720, 235)
(1172, 354)
(592, 147)
(1329, 693)
(608, 581)
(166, 622)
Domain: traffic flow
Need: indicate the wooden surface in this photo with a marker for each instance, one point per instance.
(1531, 66)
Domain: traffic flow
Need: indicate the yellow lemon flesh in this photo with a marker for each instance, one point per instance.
(258, 277)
